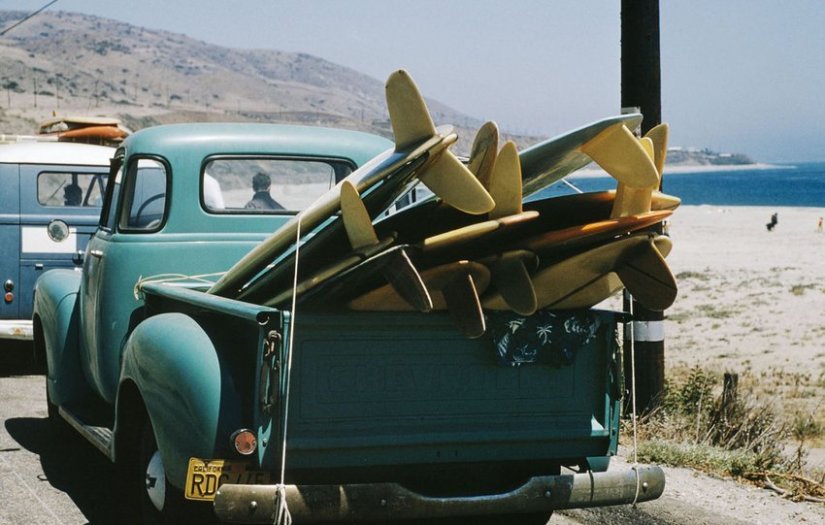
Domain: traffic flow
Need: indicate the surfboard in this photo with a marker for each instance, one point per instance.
(579, 281)
(92, 132)
(592, 232)
(395, 264)
(421, 152)
(398, 270)
(609, 284)
(454, 287)
(550, 161)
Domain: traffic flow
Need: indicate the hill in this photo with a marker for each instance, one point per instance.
(75, 64)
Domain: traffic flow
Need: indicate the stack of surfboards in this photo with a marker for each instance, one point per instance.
(477, 244)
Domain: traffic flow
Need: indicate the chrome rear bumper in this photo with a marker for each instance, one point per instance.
(310, 503)
(16, 329)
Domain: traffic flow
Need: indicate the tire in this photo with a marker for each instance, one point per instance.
(134, 474)
(59, 427)
(150, 498)
(153, 492)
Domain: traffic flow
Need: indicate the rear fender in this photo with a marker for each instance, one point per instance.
(56, 334)
(185, 388)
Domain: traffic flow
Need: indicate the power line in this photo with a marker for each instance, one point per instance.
(30, 16)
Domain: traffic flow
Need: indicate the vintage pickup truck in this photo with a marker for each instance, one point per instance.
(392, 415)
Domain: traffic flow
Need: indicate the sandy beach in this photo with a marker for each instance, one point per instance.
(749, 299)
(752, 301)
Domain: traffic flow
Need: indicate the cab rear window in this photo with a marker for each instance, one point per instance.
(70, 189)
(267, 185)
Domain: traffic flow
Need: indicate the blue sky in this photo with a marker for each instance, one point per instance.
(738, 75)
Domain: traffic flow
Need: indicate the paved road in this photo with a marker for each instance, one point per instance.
(44, 478)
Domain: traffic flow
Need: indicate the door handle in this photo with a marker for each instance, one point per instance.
(96, 253)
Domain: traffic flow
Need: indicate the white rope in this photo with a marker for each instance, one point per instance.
(633, 402)
(282, 515)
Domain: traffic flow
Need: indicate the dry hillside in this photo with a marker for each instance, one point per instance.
(75, 64)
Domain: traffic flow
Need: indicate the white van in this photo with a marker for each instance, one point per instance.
(50, 196)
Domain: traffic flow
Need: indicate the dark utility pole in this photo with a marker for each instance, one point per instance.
(642, 88)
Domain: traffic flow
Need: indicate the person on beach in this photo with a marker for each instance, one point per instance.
(774, 221)
(819, 225)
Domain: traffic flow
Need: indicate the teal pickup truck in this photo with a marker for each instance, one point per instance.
(392, 415)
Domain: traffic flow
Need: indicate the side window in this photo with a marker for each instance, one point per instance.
(144, 196)
(70, 189)
(261, 185)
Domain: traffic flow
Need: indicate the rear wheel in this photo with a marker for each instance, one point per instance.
(153, 474)
(149, 497)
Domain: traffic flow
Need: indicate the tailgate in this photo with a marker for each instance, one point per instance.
(371, 390)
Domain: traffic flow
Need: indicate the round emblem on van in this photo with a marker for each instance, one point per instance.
(58, 230)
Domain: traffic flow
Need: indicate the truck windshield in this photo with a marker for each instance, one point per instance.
(267, 185)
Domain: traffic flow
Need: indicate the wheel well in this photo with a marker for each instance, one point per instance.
(131, 415)
(39, 346)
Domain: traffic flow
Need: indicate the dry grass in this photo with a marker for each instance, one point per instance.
(740, 433)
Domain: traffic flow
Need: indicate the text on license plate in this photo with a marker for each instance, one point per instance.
(204, 477)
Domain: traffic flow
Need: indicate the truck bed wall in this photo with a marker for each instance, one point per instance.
(395, 389)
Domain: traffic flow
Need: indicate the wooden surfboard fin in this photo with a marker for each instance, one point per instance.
(647, 277)
(409, 116)
(483, 153)
(659, 137)
(647, 145)
(619, 153)
(399, 271)
(633, 201)
(445, 175)
(454, 184)
(356, 218)
(663, 244)
(464, 305)
(505, 182)
(511, 276)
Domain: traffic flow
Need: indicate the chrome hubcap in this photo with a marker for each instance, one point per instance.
(156, 481)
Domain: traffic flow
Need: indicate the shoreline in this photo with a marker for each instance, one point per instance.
(593, 172)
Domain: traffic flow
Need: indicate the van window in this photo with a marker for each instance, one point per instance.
(70, 189)
(267, 185)
(145, 196)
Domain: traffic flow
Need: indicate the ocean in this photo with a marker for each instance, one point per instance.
(801, 184)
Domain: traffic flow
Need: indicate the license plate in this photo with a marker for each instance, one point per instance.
(205, 476)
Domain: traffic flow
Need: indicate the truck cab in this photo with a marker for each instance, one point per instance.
(51, 200)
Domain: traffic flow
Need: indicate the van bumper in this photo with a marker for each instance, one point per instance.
(16, 329)
(310, 503)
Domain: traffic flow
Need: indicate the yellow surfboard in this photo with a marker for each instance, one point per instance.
(577, 282)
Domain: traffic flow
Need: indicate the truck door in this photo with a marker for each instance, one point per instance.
(134, 209)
